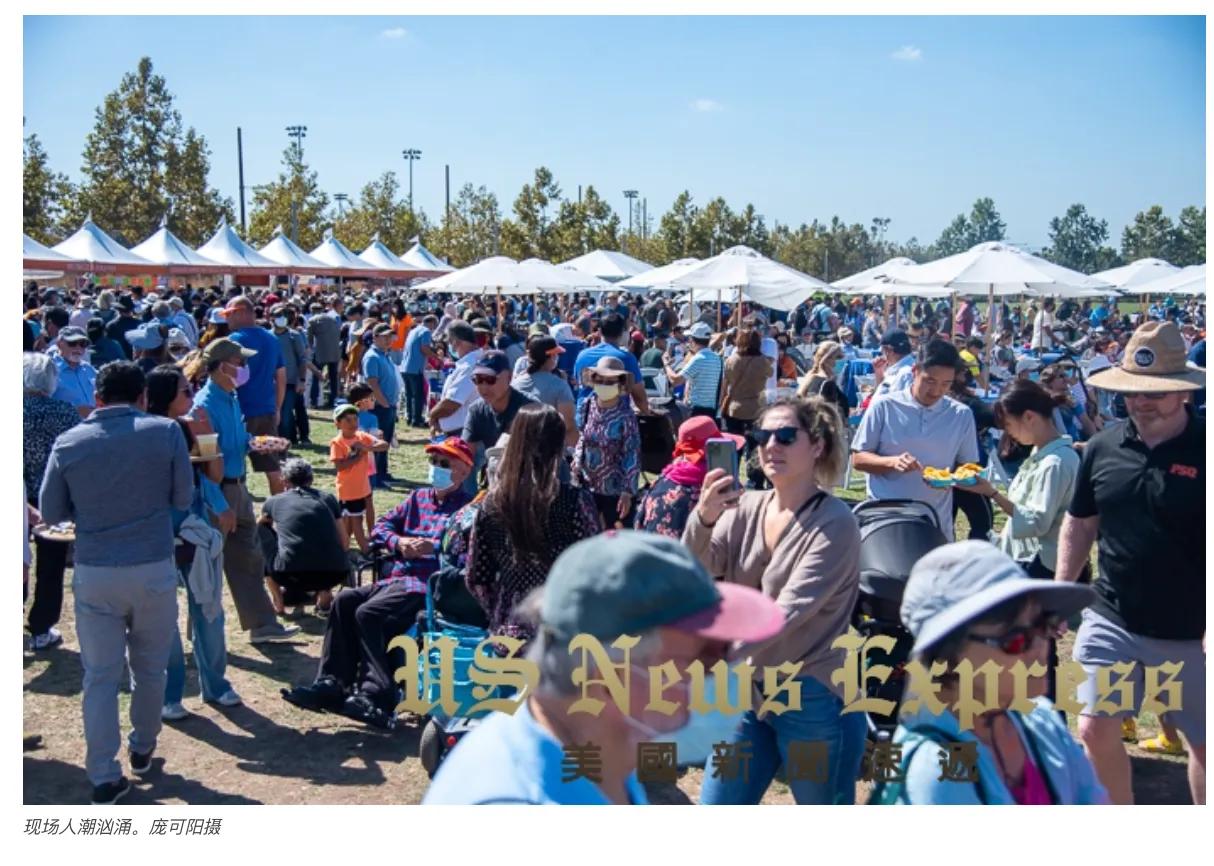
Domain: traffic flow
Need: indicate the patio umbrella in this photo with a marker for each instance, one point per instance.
(996, 268)
(1137, 273)
(608, 265)
(1185, 281)
(858, 284)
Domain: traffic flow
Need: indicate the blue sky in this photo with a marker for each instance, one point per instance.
(909, 118)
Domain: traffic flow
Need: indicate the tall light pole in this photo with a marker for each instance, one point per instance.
(411, 155)
(631, 195)
(297, 133)
(341, 198)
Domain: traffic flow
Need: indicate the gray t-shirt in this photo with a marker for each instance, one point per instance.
(483, 426)
(940, 436)
(543, 387)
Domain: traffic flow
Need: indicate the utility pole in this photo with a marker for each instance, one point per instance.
(579, 193)
(411, 155)
(644, 219)
(631, 195)
(447, 172)
(298, 133)
(240, 169)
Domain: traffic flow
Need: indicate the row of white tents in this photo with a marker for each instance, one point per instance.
(91, 250)
(739, 273)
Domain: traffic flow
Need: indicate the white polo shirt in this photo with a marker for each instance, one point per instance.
(459, 388)
(941, 436)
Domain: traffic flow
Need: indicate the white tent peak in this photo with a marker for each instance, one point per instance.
(610, 265)
(278, 230)
(227, 248)
(165, 248)
(164, 220)
(91, 244)
(417, 256)
(328, 234)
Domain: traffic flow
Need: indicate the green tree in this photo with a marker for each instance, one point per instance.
(676, 229)
(1189, 246)
(380, 210)
(1077, 241)
(473, 230)
(43, 193)
(1150, 235)
(954, 239)
(298, 188)
(531, 234)
(982, 224)
(139, 164)
(583, 226)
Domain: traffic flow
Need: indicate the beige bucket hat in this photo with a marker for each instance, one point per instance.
(1155, 362)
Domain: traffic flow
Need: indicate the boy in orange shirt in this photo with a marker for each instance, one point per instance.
(348, 450)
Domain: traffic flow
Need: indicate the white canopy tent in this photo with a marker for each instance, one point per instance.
(226, 248)
(101, 252)
(1137, 273)
(291, 258)
(1185, 281)
(39, 260)
(377, 255)
(166, 249)
(420, 258)
(339, 258)
(609, 265)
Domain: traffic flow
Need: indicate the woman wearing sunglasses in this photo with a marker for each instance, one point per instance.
(800, 546)
(969, 602)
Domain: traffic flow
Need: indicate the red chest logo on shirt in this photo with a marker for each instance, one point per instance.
(1184, 471)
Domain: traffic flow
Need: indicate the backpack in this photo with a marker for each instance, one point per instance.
(892, 793)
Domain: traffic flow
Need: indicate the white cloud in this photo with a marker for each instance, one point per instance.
(395, 33)
(707, 105)
(909, 53)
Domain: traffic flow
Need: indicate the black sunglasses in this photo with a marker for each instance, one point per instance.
(440, 462)
(784, 435)
(484, 380)
(1017, 640)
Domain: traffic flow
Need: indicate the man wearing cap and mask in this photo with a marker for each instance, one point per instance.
(324, 335)
(702, 371)
(355, 675)
(447, 418)
(1140, 496)
(224, 360)
(77, 378)
(618, 583)
(895, 367)
(490, 415)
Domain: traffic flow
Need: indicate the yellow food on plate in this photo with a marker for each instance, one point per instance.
(938, 474)
(973, 468)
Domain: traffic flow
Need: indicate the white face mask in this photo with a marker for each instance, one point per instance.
(606, 392)
(280, 322)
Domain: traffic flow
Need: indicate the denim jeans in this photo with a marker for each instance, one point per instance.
(286, 419)
(386, 416)
(415, 396)
(210, 655)
(818, 720)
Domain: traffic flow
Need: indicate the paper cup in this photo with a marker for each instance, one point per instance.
(208, 444)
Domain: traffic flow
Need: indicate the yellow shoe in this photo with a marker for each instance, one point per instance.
(1162, 745)
(1129, 730)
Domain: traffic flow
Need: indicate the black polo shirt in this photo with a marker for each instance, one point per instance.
(1151, 542)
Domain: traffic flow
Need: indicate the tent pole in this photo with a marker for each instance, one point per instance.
(990, 325)
(952, 322)
(499, 310)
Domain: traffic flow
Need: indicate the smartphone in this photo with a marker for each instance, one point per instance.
(722, 453)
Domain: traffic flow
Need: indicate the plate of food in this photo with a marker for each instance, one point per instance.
(965, 475)
(263, 444)
(65, 531)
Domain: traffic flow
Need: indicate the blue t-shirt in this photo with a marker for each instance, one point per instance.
(511, 759)
(590, 357)
(415, 361)
(378, 366)
(573, 350)
(259, 395)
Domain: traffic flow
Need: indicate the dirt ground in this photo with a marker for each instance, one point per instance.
(268, 751)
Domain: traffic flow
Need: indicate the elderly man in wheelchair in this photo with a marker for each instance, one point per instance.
(355, 679)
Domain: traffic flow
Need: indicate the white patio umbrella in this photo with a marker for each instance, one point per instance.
(878, 275)
(659, 279)
(750, 274)
(1137, 273)
(574, 279)
(1185, 281)
(609, 265)
(996, 268)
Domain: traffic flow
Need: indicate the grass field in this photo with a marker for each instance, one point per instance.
(270, 752)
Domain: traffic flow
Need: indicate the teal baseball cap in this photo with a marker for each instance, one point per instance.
(629, 582)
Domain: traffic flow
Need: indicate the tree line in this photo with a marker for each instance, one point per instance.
(140, 165)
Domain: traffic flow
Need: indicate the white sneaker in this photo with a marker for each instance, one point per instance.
(49, 638)
(174, 712)
(229, 699)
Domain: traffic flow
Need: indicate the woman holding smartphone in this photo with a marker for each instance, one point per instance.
(800, 545)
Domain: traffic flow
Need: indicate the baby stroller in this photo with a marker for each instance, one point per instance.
(441, 732)
(894, 534)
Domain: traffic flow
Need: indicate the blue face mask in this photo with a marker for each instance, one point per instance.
(454, 353)
(440, 478)
(696, 737)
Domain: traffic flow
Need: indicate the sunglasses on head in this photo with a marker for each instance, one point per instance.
(784, 435)
(484, 380)
(440, 462)
(1018, 640)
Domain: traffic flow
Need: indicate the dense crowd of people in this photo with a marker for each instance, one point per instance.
(569, 492)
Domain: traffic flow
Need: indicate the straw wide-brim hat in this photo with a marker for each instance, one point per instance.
(1155, 362)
